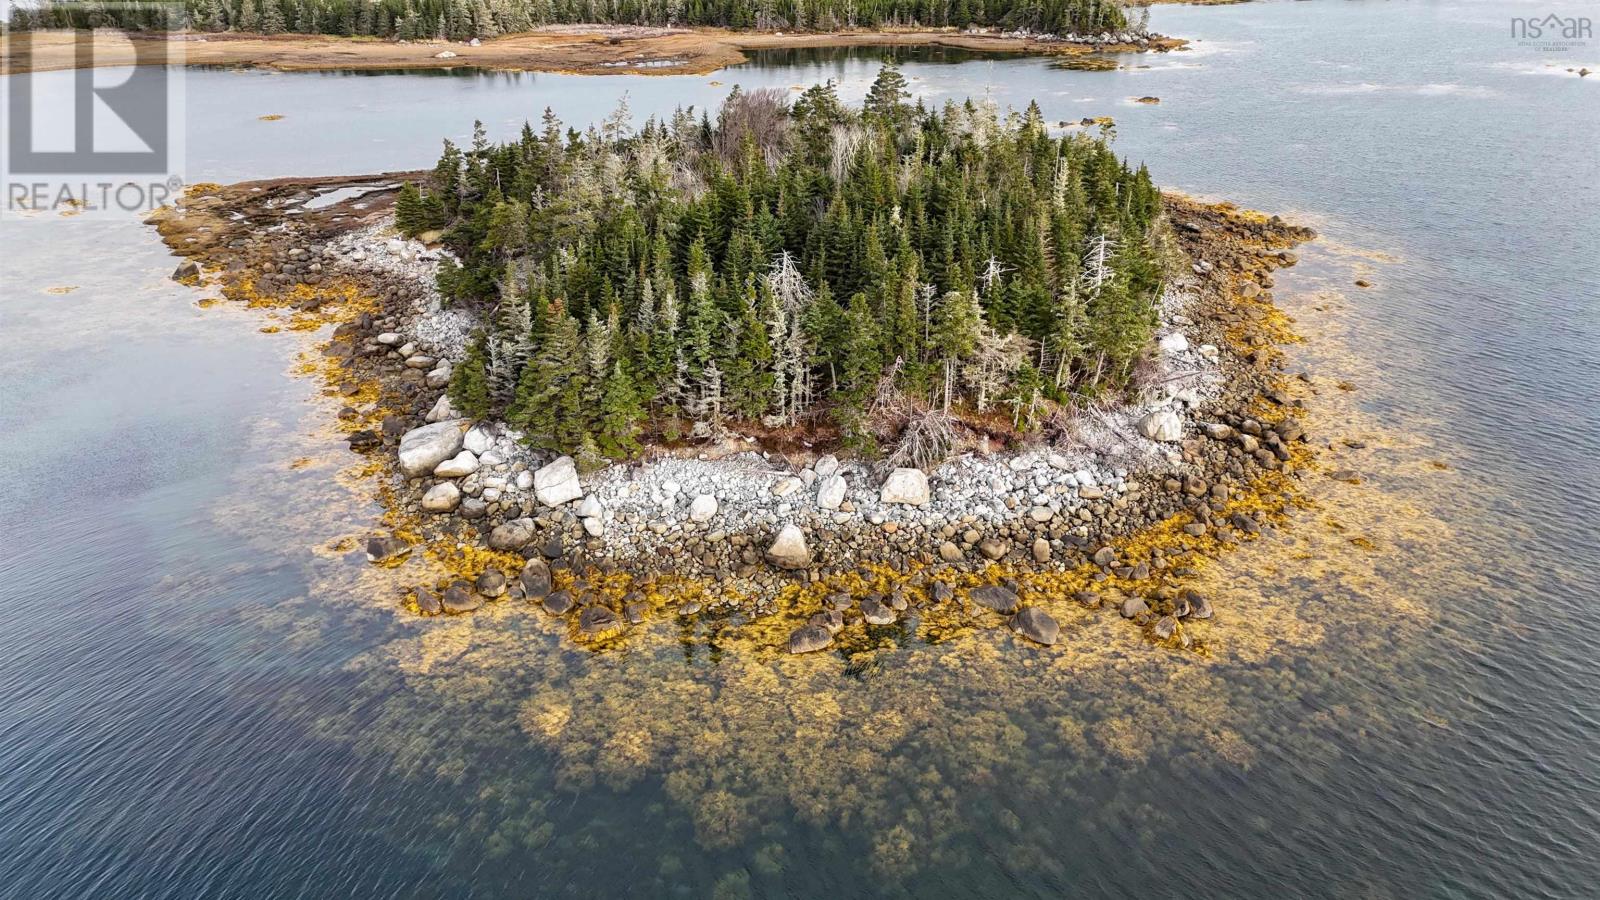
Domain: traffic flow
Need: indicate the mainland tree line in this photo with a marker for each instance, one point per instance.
(463, 19)
(898, 275)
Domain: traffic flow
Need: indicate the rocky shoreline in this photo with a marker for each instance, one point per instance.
(566, 49)
(793, 529)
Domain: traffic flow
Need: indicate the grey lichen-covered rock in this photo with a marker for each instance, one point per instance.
(809, 639)
(512, 535)
(421, 449)
(559, 603)
(1162, 425)
(831, 619)
(908, 487)
(789, 550)
(993, 549)
(557, 482)
(442, 497)
(875, 612)
(1165, 628)
(598, 620)
(382, 548)
(995, 597)
(444, 410)
(460, 598)
(491, 583)
(1036, 625)
(535, 579)
(830, 490)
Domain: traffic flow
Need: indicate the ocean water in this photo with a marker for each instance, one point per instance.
(209, 693)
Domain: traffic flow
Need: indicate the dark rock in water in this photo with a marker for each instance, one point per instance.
(553, 547)
(635, 612)
(840, 600)
(559, 603)
(941, 592)
(1104, 557)
(1134, 607)
(365, 439)
(809, 638)
(382, 548)
(689, 608)
(598, 620)
(995, 597)
(492, 583)
(1036, 625)
(1244, 523)
(535, 579)
(1087, 598)
(1199, 606)
(428, 602)
(832, 619)
(394, 426)
(186, 270)
(1164, 628)
(876, 612)
(459, 598)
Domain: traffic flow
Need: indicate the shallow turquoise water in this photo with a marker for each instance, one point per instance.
(200, 705)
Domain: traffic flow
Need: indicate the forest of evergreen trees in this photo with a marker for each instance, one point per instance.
(790, 265)
(462, 19)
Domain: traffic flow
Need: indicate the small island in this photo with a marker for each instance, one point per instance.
(933, 358)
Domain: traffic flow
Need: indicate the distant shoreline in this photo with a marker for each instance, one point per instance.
(581, 49)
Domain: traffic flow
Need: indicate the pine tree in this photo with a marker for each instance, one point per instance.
(469, 381)
(620, 414)
(888, 93)
(549, 401)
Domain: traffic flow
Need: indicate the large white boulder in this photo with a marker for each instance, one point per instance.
(1162, 425)
(557, 483)
(1174, 343)
(421, 449)
(826, 466)
(905, 486)
(702, 508)
(442, 497)
(830, 491)
(458, 466)
(479, 438)
(789, 550)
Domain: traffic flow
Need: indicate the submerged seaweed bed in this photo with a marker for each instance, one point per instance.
(920, 753)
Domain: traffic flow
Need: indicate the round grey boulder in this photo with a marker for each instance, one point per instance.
(1036, 625)
(809, 639)
(993, 596)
